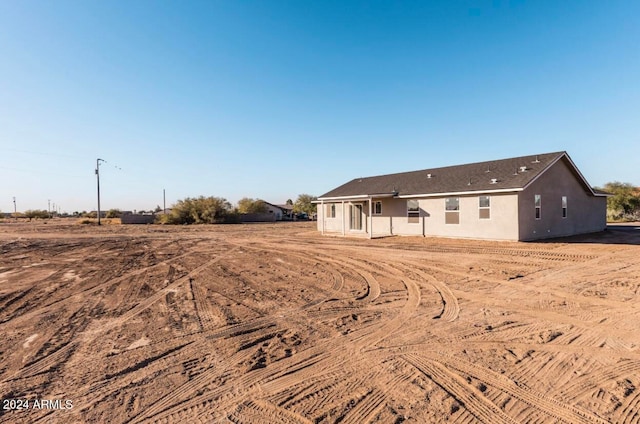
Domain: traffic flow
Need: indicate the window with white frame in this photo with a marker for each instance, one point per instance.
(413, 211)
(377, 208)
(564, 206)
(452, 210)
(538, 206)
(331, 211)
(484, 207)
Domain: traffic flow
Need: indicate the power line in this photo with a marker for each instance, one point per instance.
(32, 171)
(43, 153)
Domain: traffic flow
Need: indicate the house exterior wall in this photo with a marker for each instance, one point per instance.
(333, 225)
(585, 213)
(393, 219)
(501, 225)
(276, 211)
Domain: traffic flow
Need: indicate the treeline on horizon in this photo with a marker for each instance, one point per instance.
(196, 210)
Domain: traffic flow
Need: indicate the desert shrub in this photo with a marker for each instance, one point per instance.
(200, 210)
(36, 214)
(624, 204)
(114, 213)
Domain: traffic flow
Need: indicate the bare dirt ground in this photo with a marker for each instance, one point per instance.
(275, 323)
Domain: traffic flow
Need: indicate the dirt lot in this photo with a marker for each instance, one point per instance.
(275, 323)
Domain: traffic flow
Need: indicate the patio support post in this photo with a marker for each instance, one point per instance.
(370, 219)
(343, 217)
(323, 211)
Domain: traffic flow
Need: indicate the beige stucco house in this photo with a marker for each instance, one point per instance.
(523, 198)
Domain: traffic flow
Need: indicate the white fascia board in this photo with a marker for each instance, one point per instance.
(356, 197)
(461, 193)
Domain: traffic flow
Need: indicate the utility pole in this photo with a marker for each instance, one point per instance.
(98, 179)
(15, 210)
(164, 203)
(49, 207)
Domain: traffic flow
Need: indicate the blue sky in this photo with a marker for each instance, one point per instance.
(270, 99)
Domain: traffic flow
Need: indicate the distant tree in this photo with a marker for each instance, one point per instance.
(289, 202)
(200, 210)
(248, 205)
(157, 209)
(303, 204)
(624, 204)
(114, 213)
(36, 214)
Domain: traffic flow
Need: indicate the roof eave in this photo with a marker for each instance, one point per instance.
(461, 193)
(356, 197)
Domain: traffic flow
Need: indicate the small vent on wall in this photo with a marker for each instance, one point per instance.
(523, 169)
(494, 180)
(536, 161)
(429, 176)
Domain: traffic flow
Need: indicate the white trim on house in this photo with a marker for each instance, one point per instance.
(460, 193)
(355, 197)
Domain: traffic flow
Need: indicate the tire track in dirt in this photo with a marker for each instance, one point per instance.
(157, 296)
(471, 398)
(366, 410)
(286, 372)
(84, 293)
(548, 405)
(582, 388)
(44, 364)
(541, 254)
(90, 333)
(521, 285)
(262, 411)
(388, 328)
(373, 287)
(186, 395)
(450, 306)
(629, 411)
(311, 399)
(93, 393)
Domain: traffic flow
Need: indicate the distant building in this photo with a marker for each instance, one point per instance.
(281, 212)
(523, 198)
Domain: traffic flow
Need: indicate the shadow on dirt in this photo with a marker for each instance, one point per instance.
(624, 233)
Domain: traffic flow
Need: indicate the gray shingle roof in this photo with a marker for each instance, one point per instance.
(472, 177)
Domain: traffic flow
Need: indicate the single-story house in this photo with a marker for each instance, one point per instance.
(281, 212)
(523, 198)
